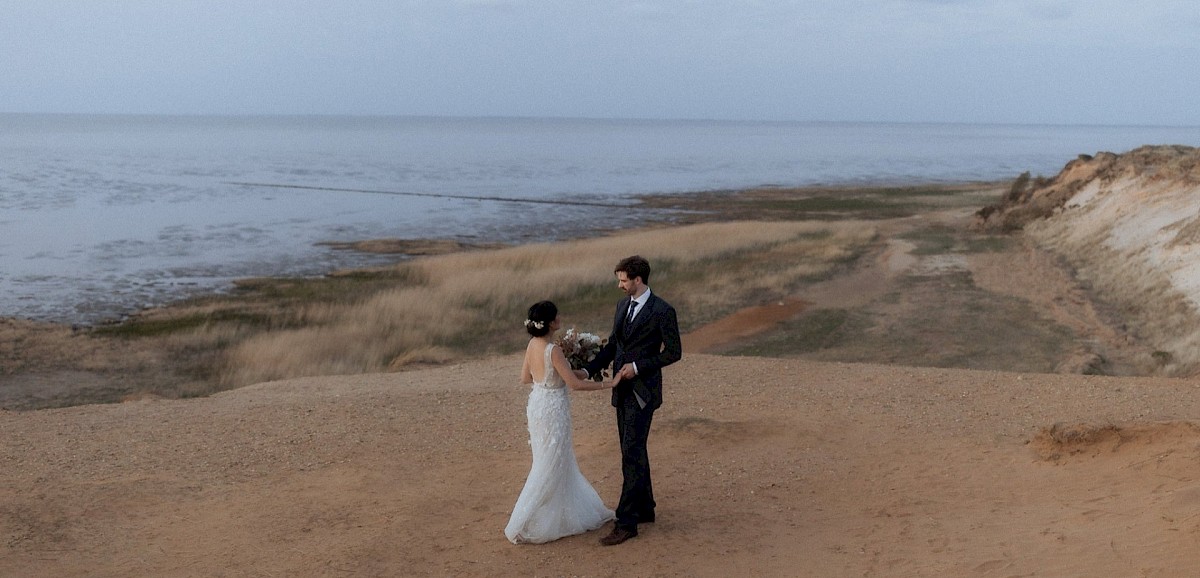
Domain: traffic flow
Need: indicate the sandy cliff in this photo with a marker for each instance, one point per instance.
(1130, 226)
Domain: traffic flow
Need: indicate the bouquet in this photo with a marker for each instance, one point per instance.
(581, 348)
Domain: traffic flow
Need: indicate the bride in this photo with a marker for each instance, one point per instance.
(557, 501)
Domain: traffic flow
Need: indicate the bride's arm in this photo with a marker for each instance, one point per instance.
(563, 367)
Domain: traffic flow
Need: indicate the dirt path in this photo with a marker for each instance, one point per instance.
(864, 283)
(1009, 306)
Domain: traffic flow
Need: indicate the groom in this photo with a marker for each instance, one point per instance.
(645, 338)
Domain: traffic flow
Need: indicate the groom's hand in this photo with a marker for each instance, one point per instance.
(627, 371)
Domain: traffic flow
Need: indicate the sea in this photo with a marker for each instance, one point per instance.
(103, 215)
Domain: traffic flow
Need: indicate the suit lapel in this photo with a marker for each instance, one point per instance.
(642, 315)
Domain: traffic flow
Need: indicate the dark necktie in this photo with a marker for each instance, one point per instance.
(629, 316)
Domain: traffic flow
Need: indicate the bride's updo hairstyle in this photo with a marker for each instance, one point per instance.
(537, 323)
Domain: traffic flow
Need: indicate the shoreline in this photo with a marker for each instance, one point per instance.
(126, 297)
(871, 267)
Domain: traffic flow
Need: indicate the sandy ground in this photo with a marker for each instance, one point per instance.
(762, 467)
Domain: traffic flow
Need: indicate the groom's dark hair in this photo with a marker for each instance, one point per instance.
(634, 266)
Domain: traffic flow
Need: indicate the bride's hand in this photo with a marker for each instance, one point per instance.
(610, 384)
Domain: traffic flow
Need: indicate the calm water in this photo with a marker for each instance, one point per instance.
(102, 215)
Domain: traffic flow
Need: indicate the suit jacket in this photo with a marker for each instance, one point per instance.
(651, 341)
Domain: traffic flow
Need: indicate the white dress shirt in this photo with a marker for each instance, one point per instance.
(640, 303)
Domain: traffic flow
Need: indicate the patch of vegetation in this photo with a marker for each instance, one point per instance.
(908, 192)
(845, 263)
(840, 207)
(1019, 188)
(341, 287)
(948, 321)
(262, 303)
(157, 327)
(817, 203)
(988, 244)
(1161, 357)
(941, 239)
(933, 240)
(812, 331)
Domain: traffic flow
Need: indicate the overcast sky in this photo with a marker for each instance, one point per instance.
(1004, 61)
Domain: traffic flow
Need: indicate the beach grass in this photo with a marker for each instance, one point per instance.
(442, 308)
(716, 253)
(472, 304)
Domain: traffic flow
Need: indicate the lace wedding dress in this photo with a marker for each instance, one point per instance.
(557, 500)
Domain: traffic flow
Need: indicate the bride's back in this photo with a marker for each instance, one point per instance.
(537, 356)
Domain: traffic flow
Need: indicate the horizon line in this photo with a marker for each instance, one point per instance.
(584, 119)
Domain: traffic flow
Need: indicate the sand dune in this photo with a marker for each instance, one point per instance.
(763, 467)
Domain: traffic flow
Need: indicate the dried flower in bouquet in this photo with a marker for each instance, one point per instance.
(581, 348)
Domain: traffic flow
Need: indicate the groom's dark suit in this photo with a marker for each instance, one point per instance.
(651, 341)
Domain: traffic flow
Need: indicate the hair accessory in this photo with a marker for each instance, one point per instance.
(535, 324)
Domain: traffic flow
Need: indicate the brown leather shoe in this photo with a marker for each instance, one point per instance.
(617, 536)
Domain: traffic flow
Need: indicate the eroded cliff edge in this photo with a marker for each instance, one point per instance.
(1129, 224)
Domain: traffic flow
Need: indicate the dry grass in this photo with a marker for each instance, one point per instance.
(471, 304)
(721, 252)
(32, 346)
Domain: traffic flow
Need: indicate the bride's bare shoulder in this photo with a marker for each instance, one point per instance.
(536, 348)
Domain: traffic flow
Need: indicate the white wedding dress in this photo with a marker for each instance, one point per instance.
(557, 500)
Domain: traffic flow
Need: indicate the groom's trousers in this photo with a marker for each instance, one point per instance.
(637, 493)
